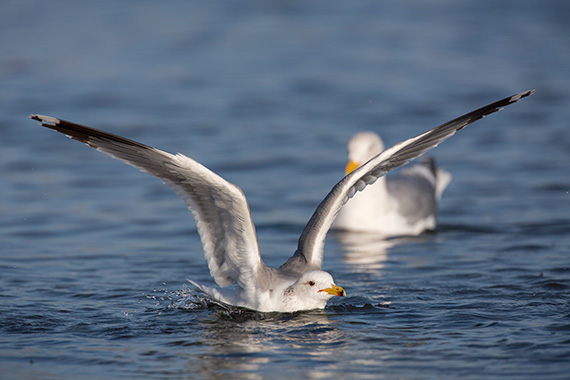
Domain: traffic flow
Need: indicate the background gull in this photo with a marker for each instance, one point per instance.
(405, 204)
(224, 220)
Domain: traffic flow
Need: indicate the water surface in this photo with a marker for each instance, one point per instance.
(95, 255)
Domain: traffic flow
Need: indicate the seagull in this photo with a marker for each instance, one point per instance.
(402, 205)
(224, 221)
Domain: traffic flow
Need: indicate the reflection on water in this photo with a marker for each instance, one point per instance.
(370, 251)
(363, 249)
(243, 343)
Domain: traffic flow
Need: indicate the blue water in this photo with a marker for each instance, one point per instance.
(94, 255)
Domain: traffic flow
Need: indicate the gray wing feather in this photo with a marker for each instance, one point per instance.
(415, 195)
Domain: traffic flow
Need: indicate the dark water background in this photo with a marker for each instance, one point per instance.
(94, 255)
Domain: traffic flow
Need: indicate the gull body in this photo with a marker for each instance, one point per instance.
(224, 221)
(287, 293)
(404, 204)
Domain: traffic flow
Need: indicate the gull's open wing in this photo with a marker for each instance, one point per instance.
(311, 243)
(219, 207)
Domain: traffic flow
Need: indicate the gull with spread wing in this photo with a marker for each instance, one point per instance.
(224, 221)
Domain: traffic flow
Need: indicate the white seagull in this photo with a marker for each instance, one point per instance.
(224, 221)
(402, 205)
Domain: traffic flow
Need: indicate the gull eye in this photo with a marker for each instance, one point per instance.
(311, 283)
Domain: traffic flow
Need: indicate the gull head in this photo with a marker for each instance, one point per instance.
(313, 290)
(362, 147)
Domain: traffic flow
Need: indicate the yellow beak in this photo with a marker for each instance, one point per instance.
(335, 291)
(351, 166)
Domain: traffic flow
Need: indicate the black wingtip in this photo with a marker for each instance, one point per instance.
(82, 133)
(489, 109)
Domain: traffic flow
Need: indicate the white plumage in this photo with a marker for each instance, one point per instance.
(400, 205)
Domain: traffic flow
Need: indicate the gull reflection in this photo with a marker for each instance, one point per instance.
(370, 251)
(245, 343)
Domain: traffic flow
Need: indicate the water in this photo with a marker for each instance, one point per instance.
(95, 255)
